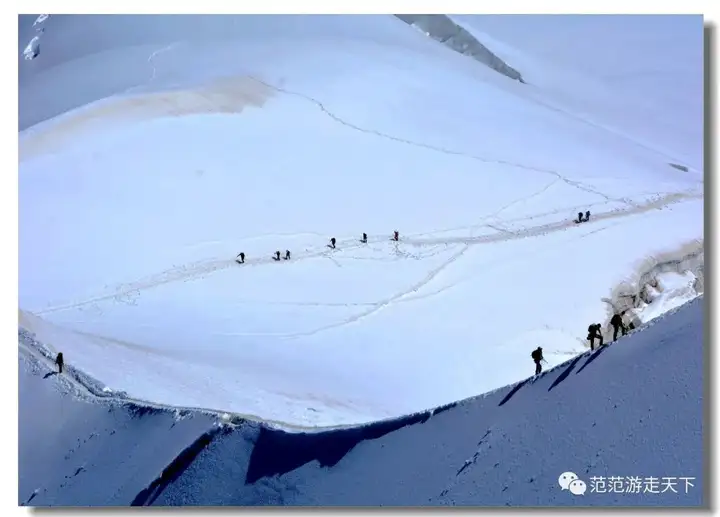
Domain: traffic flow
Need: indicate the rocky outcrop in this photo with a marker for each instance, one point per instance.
(443, 29)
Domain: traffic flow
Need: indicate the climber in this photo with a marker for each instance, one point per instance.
(332, 242)
(287, 254)
(580, 218)
(240, 258)
(364, 238)
(277, 256)
(537, 356)
(587, 216)
(617, 323)
(593, 334)
(59, 361)
(396, 235)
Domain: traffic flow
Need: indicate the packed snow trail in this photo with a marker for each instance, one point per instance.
(206, 267)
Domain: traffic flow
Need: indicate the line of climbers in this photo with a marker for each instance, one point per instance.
(581, 218)
(537, 355)
(594, 332)
(240, 259)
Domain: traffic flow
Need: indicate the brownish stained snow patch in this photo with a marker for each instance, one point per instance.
(229, 95)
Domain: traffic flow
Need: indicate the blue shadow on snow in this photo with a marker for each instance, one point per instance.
(176, 467)
(564, 375)
(277, 452)
(514, 391)
(592, 358)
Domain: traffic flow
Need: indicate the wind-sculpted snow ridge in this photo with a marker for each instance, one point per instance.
(593, 417)
(444, 30)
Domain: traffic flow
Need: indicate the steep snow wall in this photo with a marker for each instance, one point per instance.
(443, 29)
(631, 411)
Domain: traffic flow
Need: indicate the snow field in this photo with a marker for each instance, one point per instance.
(132, 212)
(653, 94)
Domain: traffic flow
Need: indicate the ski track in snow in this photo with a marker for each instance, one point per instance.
(128, 292)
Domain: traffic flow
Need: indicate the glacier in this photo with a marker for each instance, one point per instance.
(154, 149)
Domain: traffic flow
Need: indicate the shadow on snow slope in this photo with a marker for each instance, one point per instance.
(631, 411)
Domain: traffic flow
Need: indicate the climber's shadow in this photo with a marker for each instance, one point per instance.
(592, 358)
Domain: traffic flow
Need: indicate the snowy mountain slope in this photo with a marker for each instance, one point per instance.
(137, 52)
(66, 442)
(228, 134)
(631, 411)
(647, 80)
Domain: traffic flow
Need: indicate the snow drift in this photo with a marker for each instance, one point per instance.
(626, 419)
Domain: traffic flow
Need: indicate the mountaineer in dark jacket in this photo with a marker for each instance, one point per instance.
(617, 324)
(241, 258)
(59, 361)
(593, 334)
(537, 356)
